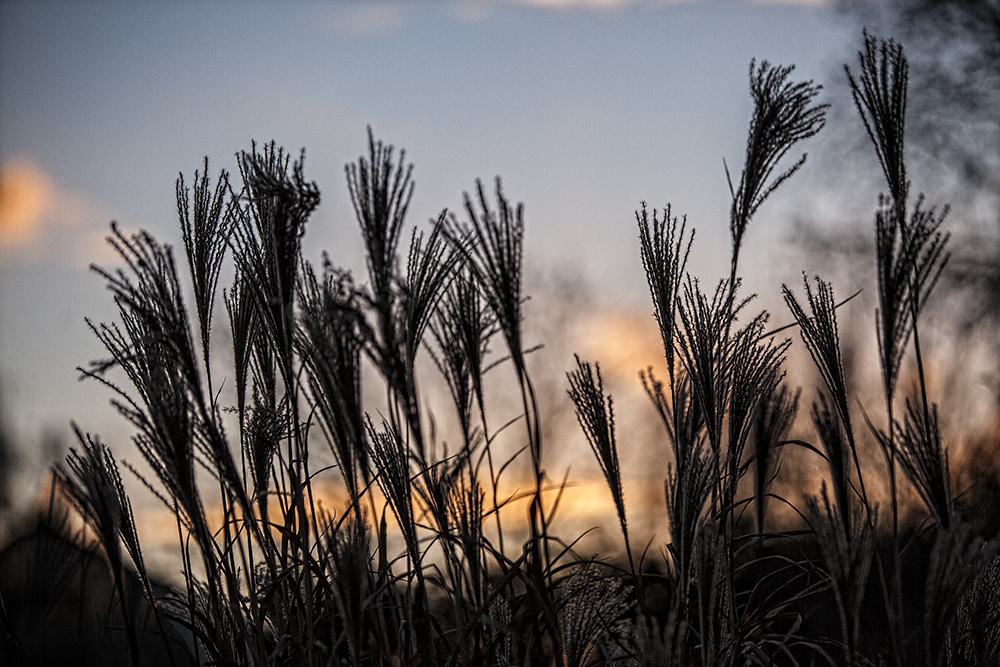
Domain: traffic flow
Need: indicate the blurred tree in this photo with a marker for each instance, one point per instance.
(6, 462)
(954, 51)
(953, 126)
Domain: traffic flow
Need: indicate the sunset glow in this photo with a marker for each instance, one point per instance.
(25, 199)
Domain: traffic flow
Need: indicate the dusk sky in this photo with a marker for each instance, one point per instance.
(583, 107)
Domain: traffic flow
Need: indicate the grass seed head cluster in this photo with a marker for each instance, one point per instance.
(284, 580)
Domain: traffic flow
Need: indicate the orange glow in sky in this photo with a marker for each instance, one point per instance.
(25, 198)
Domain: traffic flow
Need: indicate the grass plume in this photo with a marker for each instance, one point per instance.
(272, 576)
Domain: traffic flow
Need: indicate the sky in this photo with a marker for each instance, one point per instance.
(584, 108)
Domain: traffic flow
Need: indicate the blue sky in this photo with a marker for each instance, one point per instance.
(583, 108)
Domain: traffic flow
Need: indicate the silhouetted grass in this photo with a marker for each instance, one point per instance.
(283, 580)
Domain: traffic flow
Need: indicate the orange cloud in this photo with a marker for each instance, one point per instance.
(623, 342)
(41, 220)
(26, 196)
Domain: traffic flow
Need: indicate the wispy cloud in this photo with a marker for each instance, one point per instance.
(807, 3)
(372, 18)
(617, 4)
(584, 4)
(471, 11)
(42, 221)
(378, 18)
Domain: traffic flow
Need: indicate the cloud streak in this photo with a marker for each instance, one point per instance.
(378, 18)
(617, 4)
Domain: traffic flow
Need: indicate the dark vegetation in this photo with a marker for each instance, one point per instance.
(418, 566)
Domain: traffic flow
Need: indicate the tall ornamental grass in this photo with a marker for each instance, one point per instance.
(417, 565)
